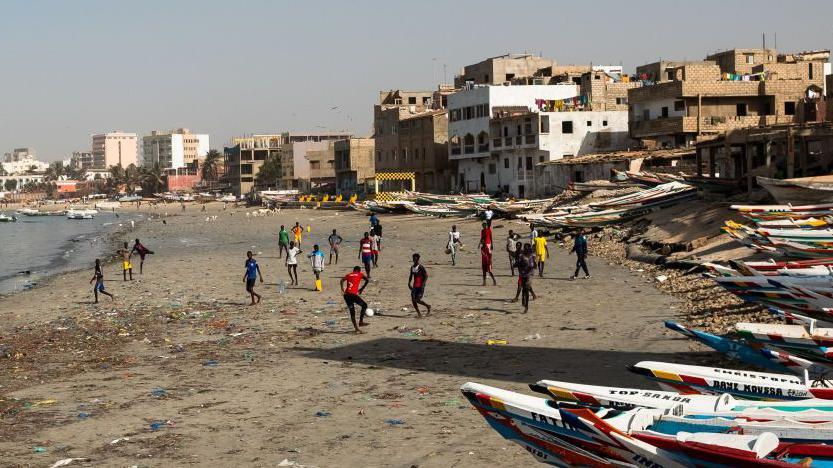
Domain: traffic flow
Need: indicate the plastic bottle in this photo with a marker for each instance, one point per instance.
(282, 287)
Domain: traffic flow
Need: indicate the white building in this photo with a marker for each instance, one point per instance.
(24, 164)
(498, 134)
(174, 149)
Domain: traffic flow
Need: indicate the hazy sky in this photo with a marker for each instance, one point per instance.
(72, 68)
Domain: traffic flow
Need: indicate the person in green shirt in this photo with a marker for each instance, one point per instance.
(283, 241)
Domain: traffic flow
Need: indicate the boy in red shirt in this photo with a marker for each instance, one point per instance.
(351, 295)
(416, 283)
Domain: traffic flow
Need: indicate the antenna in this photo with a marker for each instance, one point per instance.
(764, 40)
(776, 40)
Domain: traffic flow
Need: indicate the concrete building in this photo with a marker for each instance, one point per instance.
(244, 158)
(18, 154)
(738, 88)
(606, 89)
(114, 149)
(24, 163)
(294, 164)
(81, 160)
(173, 149)
(503, 69)
(470, 142)
(354, 164)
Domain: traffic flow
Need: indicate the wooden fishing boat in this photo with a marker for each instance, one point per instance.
(802, 190)
(786, 208)
(810, 339)
(713, 184)
(746, 384)
(755, 354)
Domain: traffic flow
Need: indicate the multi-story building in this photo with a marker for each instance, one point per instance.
(244, 158)
(18, 154)
(411, 135)
(114, 149)
(320, 159)
(81, 160)
(739, 88)
(295, 167)
(469, 124)
(24, 163)
(354, 165)
(173, 149)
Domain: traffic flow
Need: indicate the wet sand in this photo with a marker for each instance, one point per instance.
(180, 366)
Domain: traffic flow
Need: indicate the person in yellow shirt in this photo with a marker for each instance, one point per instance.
(541, 252)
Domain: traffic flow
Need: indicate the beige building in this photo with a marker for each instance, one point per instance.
(174, 149)
(740, 88)
(245, 157)
(114, 149)
(354, 165)
(503, 69)
(295, 167)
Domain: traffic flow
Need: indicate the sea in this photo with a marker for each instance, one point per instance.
(36, 247)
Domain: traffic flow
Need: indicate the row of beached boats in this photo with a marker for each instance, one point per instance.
(462, 205)
(794, 231)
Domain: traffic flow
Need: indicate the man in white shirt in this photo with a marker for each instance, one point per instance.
(292, 262)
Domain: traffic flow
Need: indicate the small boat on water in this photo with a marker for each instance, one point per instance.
(7, 219)
(32, 212)
(108, 205)
(812, 190)
(74, 213)
(130, 198)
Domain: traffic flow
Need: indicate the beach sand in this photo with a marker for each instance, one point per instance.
(178, 370)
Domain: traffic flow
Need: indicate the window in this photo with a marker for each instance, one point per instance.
(486, 78)
(540, 159)
(578, 176)
(246, 169)
(810, 70)
(509, 76)
(529, 163)
(425, 100)
(545, 124)
(604, 123)
(789, 108)
(597, 77)
(750, 58)
(492, 168)
(679, 105)
(621, 100)
(506, 163)
(589, 123)
(669, 75)
(664, 112)
(412, 100)
(378, 155)
(646, 114)
(740, 110)
(567, 126)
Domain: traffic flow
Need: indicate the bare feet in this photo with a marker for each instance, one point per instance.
(429, 311)
(514, 300)
(362, 324)
(359, 332)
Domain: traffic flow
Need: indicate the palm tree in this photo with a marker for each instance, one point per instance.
(152, 178)
(209, 165)
(54, 171)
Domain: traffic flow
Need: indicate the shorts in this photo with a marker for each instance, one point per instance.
(367, 258)
(416, 293)
(99, 286)
(317, 270)
(374, 252)
(352, 300)
(126, 265)
(334, 249)
(250, 283)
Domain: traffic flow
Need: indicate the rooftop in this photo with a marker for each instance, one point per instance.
(617, 156)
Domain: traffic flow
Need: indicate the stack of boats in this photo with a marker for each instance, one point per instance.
(795, 231)
(453, 205)
(616, 210)
(705, 416)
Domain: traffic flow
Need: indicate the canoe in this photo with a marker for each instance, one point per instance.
(814, 341)
(713, 184)
(811, 190)
(742, 383)
(758, 355)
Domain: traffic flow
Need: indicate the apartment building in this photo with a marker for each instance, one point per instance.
(174, 149)
(81, 160)
(114, 149)
(504, 69)
(245, 157)
(295, 167)
(354, 164)
(682, 102)
(19, 154)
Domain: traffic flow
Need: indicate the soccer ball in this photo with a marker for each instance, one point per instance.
(369, 312)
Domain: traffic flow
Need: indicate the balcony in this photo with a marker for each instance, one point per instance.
(497, 142)
(524, 175)
(483, 147)
(530, 139)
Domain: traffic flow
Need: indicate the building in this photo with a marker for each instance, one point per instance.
(24, 163)
(606, 88)
(295, 166)
(173, 149)
(244, 158)
(681, 102)
(503, 69)
(320, 159)
(19, 154)
(497, 134)
(411, 135)
(81, 160)
(114, 149)
(354, 165)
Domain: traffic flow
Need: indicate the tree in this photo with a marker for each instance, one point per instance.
(129, 177)
(209, 165)
(55, 171)
(151, 178)
(10, 185)
(270, 172)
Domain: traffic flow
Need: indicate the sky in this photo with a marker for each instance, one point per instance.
(69, 69)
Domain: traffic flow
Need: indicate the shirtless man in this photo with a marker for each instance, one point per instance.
(127, 268)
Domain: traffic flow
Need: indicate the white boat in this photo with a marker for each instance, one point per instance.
(81, 214)
(812, 190)
(228, 198)
(7, 219)
(130, 198)
(32, 212)
(108, 205)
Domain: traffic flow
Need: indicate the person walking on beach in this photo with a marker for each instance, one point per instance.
(317, 259)
(374, 220)
(142, 251)
(352, 295)
(377, 229)
(335, 241)
(283, 241)
(298, 232)
(374, 247)
(454, 243)
(366, 253)
(292, 262)
(533, 233)
(127, 268)
(250, 275)
(542, 251)
(580, 249)
(526, 268)
(416, 283)
(98, 277)
(486, 252)
(486, 236)
(488, 215)
(511, 246)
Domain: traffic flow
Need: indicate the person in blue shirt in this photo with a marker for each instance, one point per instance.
(580, 248)
(317, 259)
(373, 220)
(251, 275)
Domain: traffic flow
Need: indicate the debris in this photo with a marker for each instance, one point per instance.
(422, 390)
(67, 461)
(496, 342)
(395, 422)
(40, 450)
(211, 363)
(535, 336)
(45, 402)
(322, 414)
(661, 278)
(158, 392)
(83, 415)
(120, 439)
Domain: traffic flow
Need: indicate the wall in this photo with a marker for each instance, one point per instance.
(177, 151)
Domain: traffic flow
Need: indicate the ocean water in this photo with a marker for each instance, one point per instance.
(36, 247)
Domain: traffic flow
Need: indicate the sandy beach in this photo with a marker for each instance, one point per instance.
(178, 370)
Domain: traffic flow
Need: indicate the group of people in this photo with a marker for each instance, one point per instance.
(126, 255)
